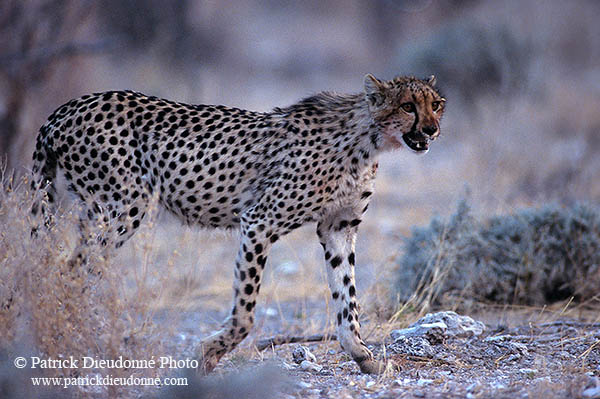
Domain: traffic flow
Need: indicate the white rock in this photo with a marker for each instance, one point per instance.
(528, 372)
(593, 390)
(423, 381)
(591, 393)
(472, 387)
(310, 366)
(287, 366)
(438, 326)
(301, 353)
(304, 385)
(413, 346)
(498, 338)
(400, 383)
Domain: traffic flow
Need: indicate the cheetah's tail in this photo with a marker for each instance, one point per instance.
(45, 163)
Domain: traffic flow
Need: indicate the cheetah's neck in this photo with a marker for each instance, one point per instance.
(340, 121)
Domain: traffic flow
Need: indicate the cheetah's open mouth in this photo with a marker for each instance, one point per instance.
(416, 141)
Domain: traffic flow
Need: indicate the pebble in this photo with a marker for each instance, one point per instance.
(472, 387)
(593, 391)
(287, 366)
(528, 372)
(307, 365)
(423, 381)
(301, 353)
(303, 384)
(401, 383)
(414, 346)
(498, 338)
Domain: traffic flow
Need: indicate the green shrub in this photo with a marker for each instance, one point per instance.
(531, 257)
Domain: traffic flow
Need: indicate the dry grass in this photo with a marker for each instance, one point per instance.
(106, 313)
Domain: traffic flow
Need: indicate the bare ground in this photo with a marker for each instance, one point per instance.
(542, 356)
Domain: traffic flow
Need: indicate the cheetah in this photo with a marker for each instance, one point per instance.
(262, 173)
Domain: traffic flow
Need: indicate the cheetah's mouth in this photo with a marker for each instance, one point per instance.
(416, 141)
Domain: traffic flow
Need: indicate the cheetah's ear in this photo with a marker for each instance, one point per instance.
(432, 80)
(374, 90)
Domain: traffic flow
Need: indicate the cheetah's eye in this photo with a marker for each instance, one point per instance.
(408, 107)
(435, 106)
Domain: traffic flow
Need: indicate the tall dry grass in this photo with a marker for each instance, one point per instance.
(102, 310)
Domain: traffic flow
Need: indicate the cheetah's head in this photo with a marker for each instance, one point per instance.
(407, 110)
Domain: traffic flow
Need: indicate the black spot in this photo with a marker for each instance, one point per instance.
(351, 259)
(346, 280)
(352, 291)
(252, 272)
(248, 289)
(261, 260)
(336, 261)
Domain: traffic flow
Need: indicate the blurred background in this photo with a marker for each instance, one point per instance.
(522, 79)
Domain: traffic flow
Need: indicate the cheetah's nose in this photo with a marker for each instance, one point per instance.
(429, 130)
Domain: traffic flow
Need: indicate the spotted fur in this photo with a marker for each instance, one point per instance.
(265, 174)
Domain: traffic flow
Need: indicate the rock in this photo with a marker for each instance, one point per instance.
(303, 385)
(592, 389)
(512, 350)
(498, 338)
(302, 353)
(400, 383)
(528, 372)
(307, 365)
(287, 366)
(424, 381)
(436, 327)
(413, 346)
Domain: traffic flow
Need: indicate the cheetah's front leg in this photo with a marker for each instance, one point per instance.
(337, 236)
(250, 262)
